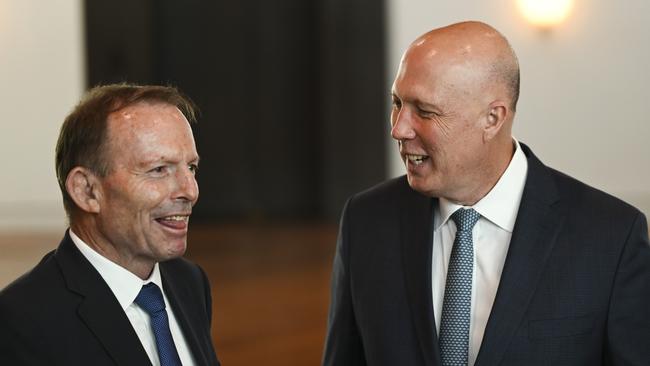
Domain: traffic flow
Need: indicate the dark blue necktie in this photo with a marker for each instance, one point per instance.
(151, 300)
(457, 303)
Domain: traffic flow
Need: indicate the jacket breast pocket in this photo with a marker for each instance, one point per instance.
(561, 327)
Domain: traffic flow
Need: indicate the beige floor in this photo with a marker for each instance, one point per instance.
(270, 286)
(20, 252)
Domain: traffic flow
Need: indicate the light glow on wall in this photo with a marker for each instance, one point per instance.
(545, 13)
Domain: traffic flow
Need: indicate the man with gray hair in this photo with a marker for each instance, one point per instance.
(116, 290)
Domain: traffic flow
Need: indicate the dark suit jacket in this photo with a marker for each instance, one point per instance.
(575, 288)
(63, 313)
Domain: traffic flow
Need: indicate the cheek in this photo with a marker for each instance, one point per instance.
(465, 157)
(152, 195)
(117, 200)
(142, 197)
(429, 138)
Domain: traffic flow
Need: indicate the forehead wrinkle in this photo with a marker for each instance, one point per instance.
(141, 129)
(418, 95)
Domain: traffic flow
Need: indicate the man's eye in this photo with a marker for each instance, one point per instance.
(159, 170)
(397, 104)
(193, 168)
(426, 114)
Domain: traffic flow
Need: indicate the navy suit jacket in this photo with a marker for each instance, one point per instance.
(63, 313)
(575, 287)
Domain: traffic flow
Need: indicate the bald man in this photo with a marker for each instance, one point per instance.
(481, 255)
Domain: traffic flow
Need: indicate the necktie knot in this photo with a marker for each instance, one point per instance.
(465, 218)
(150, 299)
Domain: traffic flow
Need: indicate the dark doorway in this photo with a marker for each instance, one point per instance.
(291, 93)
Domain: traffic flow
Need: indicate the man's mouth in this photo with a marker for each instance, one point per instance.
(416, 159)
(174, 221)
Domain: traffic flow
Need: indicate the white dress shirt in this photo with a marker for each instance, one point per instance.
(491, 237)
(126, 286)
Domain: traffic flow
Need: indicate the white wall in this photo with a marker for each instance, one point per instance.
(41, 79)
(585, 105)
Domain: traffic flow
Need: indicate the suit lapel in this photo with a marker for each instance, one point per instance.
(98, 307)
(416, 222)
(177, 296)
(538, 222)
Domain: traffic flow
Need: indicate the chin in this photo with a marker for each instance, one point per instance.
(175, 249)
(421, 185)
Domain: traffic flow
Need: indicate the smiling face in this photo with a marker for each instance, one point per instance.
(438, 132)
(145, 200)
(447, 116)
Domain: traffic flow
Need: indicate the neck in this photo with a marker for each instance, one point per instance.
(93, 238)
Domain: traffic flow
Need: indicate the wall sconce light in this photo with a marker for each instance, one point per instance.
(545, 13)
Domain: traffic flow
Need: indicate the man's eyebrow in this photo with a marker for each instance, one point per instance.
(417, 102)
(163, 158)
(151, 161)
(421, 103)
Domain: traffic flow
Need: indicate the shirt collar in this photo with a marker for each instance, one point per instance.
(124, 284)
(501, 204)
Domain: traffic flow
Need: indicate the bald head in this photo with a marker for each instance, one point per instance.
(473, 52)
(454, 100)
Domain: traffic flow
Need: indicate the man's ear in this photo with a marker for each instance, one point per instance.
(497, 115)
(83, 187)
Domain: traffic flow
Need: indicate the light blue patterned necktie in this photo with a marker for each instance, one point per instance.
(457, 303)
(151, 300)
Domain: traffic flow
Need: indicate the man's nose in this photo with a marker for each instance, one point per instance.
(187, 187)
(401, 125)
